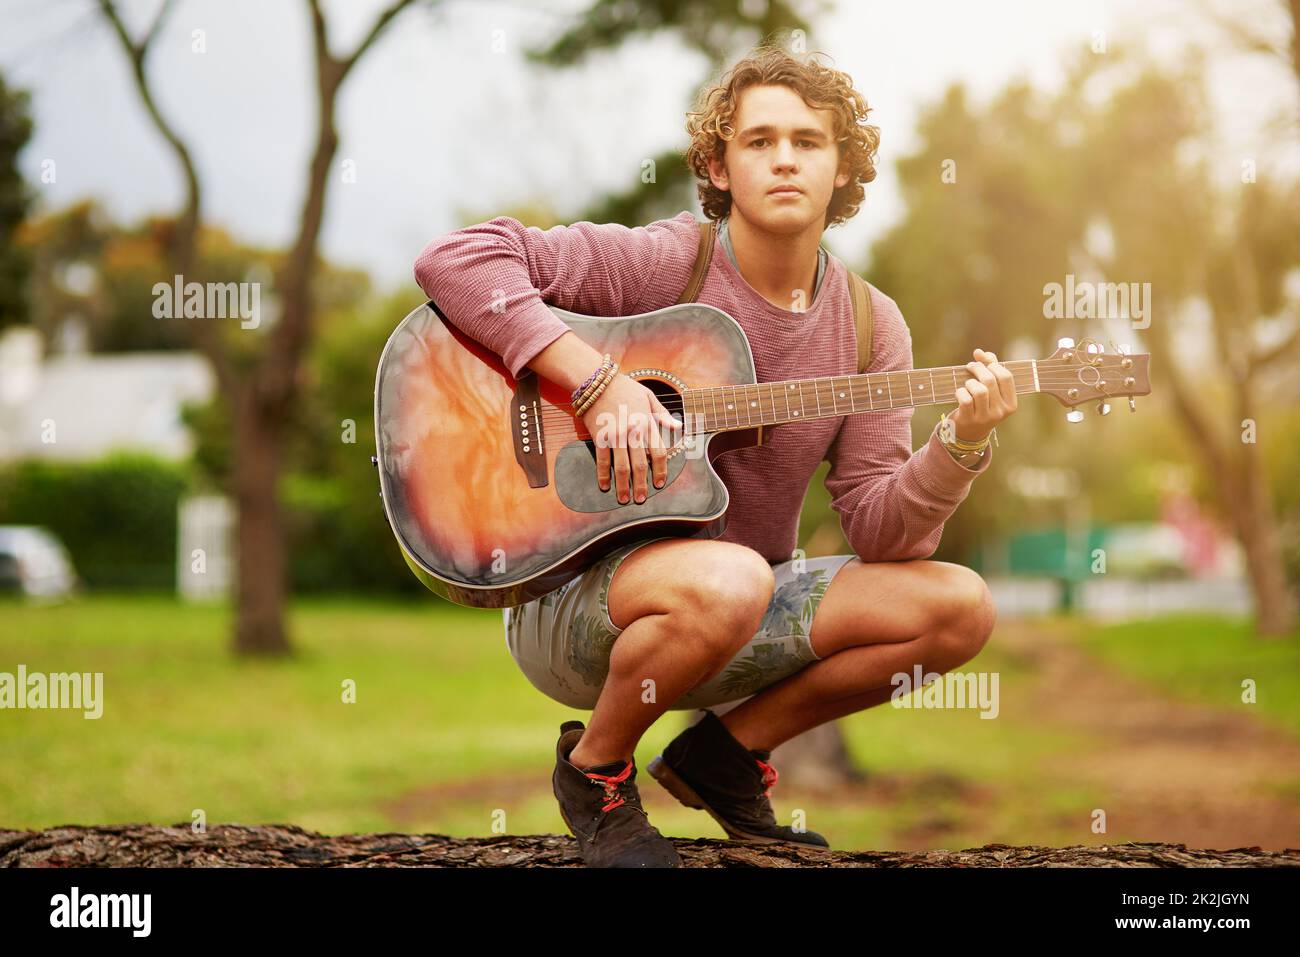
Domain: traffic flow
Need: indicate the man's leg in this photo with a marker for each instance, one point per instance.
(875, 620)
(686, 607)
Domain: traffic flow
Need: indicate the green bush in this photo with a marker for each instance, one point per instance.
(116, 516)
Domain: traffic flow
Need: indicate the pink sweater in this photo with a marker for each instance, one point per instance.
(892, 502)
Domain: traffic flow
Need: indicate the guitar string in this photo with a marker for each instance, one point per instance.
(1044, 367)
(562, 426)
(556, 414)
(556, 419)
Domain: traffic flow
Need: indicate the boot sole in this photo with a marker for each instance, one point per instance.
(659, 770)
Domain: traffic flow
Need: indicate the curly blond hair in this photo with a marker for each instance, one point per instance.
(820, 86)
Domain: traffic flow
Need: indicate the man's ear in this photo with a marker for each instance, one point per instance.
(718, 173)
(843, 176)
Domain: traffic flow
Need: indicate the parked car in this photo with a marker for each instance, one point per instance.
(34, 562)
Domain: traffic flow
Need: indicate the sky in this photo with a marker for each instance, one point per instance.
(441, 120)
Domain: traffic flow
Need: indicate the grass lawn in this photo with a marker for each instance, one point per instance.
(440, 703)
(1206, 659)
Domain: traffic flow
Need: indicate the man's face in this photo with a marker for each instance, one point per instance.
(780, 140)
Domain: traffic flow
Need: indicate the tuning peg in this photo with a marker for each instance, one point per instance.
(1103, 407)
(1074, 415)
(1132, 406)
(1065, 343)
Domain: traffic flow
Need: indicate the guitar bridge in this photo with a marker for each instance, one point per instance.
(526, 429)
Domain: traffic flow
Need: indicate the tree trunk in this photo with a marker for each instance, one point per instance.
(1274, 605)
(280, 845)
(260, 562)
(1241, 487)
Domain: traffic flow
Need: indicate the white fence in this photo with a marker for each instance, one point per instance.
(1108, 597)
(204, 547)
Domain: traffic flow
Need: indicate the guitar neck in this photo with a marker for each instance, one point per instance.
(772, 403)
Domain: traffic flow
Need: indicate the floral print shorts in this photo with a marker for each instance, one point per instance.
(562, 641)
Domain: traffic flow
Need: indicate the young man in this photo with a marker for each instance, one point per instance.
(782, 153)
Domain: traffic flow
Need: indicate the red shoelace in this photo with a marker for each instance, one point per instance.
(769, 776)
(611, 782)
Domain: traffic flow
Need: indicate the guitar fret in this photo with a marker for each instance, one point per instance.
(720, 407)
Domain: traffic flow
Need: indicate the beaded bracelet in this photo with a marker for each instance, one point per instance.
(960, 444)
(577, 393)
(601, 385)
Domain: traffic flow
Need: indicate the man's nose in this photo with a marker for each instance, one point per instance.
(785, 154)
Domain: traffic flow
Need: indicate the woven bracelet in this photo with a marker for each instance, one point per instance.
(601, 385)
(576, 397)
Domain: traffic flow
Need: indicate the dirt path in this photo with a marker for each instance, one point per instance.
(1170, 770)
(1166, 770)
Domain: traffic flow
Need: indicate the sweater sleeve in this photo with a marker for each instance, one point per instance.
(892, 501)
(494, 280)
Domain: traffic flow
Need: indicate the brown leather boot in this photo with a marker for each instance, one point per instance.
(602, 809)
(705, 767)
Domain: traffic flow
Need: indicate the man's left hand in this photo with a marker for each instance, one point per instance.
(985, 399)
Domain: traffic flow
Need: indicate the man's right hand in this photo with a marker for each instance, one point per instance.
(624, 424)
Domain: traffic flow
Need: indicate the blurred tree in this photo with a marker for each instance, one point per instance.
(260, 384)
(87, 268)
(15, 200)
(1105, 180)
(62, 246)
(1221, 252)
(990, 210)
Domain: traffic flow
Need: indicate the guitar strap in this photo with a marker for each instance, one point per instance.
(859, 294)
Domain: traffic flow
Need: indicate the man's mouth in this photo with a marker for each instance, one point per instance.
(784, 190)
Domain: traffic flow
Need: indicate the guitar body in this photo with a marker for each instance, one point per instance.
(489, 483)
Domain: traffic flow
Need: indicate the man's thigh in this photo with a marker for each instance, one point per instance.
(872, 602)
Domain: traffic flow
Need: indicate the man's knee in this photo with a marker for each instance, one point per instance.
(967, 612)
(726, 590)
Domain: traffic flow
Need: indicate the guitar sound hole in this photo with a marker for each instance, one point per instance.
(672, 401)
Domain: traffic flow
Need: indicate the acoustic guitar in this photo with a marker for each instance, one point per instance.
(489, 482)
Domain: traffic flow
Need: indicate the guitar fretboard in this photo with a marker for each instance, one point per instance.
(772, 403)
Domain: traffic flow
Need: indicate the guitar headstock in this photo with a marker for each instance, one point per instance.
(1085, 372)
